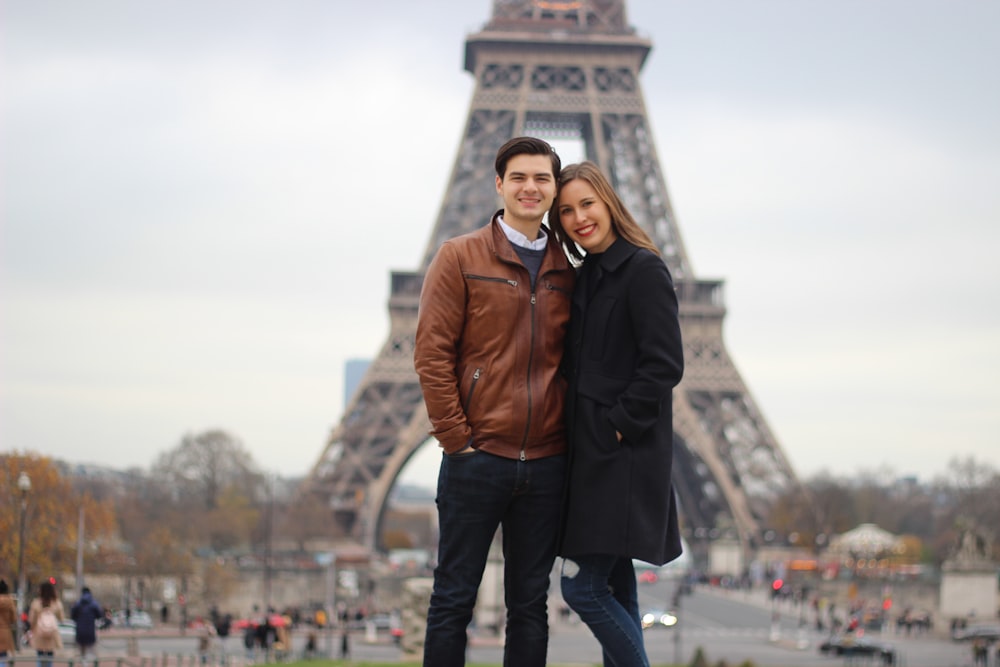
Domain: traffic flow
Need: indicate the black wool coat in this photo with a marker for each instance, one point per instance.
(623, 359)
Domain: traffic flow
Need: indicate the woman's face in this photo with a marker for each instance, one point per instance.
(585, 216)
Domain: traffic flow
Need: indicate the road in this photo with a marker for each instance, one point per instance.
(728, 625)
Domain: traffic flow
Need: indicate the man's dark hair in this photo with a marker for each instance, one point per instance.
(526, 146)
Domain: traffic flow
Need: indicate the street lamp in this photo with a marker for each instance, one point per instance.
(24, 485)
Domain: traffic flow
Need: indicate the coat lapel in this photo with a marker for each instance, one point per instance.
(608, 263)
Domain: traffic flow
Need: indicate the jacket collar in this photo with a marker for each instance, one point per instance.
(616, 255)
(555, 258)
(595, 267)
(502, 247)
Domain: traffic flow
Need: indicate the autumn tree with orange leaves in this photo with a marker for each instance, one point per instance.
(52, 519)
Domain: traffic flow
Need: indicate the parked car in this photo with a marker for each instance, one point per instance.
(988, 631)
(389, 622)
(135, 619)
(386, 621)
(847, 645)
(67, 631)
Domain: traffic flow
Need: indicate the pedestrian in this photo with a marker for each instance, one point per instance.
(623, 359)
(223, 624)
(205, 634)
(85, 613)
(250, 641)
(311, 647)
(265, 636)
(8, 624)
(980, 652)
(345, 643)
(44, 615)
(489, 342)
(282, 639)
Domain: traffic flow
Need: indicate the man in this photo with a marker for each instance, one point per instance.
(493, 314)
(85, 613)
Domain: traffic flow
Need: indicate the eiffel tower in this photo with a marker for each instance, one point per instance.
(565, 70)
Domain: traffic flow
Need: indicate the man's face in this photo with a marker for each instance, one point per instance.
(527, 188)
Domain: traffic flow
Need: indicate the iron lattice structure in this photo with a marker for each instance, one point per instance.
(564, 69)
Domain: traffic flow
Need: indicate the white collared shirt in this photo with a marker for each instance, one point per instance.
(519, 239)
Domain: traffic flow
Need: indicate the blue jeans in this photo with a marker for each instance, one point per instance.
(45, 658)
(476, 493)
(601, 588)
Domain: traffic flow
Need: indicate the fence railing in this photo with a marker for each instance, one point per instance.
(161, 660)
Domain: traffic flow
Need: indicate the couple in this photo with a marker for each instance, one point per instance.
(552, 404)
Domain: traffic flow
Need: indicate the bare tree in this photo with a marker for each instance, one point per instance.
(162, 553)
(215, 488)
(203, 466)
(973, 489)
(307, 518)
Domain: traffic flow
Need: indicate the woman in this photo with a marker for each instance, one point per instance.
(45, 642)
(623, 359)
(8, 623)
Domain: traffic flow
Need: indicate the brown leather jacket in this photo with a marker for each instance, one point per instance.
(488, 350)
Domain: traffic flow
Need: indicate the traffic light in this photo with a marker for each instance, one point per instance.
(776, 587)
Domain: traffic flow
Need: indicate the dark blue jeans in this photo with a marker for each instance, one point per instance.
(478, 492)
(601, 588)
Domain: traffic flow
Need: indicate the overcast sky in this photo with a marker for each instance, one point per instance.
(202, 202)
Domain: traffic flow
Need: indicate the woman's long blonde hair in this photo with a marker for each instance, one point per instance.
(622, 222)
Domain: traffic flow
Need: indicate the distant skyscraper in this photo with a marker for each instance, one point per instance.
(354, 370)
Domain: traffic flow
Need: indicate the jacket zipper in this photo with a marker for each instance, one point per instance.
(472, 388)
(531, 353)
(492, 279)
(531, 359)
(553, 288)
(531, 356)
